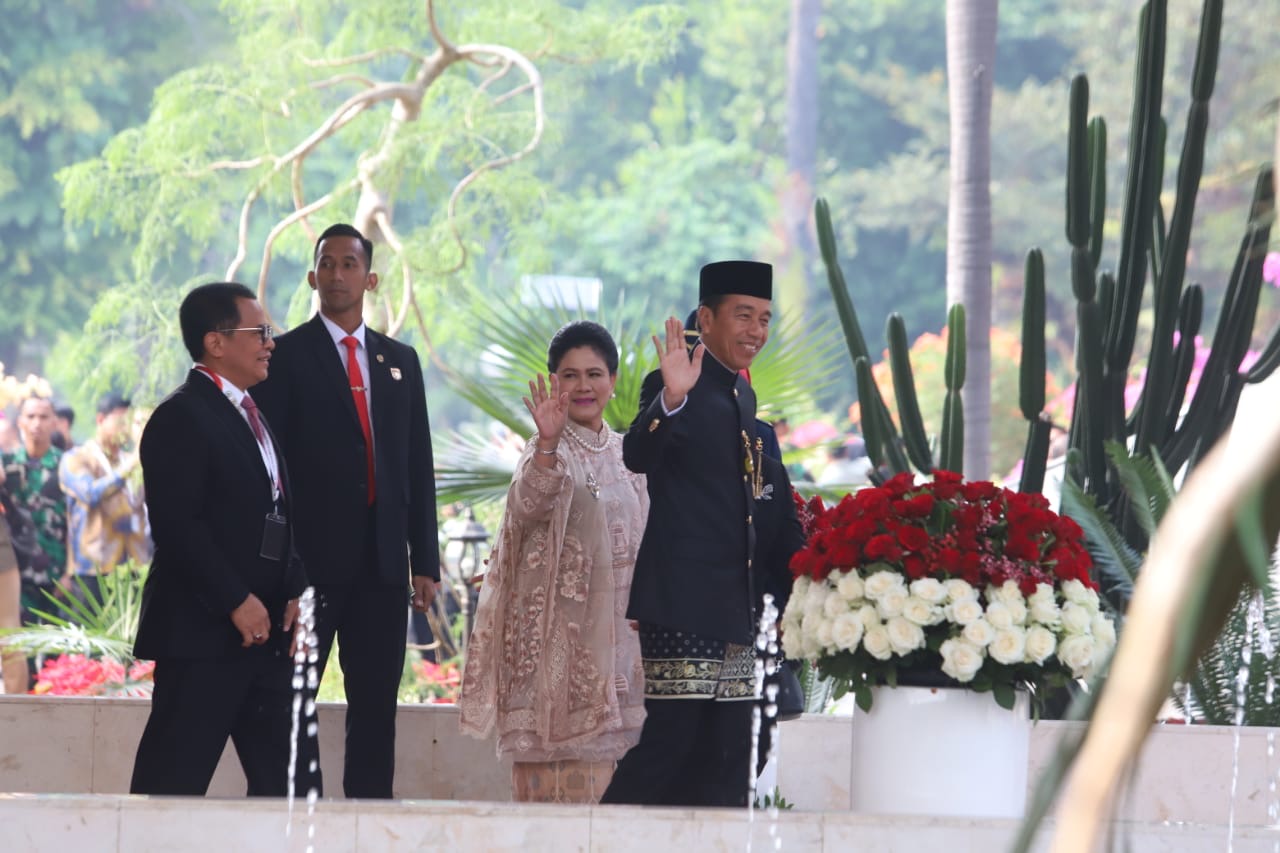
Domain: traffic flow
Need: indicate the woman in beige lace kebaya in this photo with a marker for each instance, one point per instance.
(553, 665)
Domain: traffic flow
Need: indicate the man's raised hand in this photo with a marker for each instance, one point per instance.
(680, 372)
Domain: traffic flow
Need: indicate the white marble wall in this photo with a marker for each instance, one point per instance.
(83, 746)
(34, 823)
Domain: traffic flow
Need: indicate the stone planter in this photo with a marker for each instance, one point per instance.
(940, 751)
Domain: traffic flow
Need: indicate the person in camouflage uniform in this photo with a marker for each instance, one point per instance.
(31, 481)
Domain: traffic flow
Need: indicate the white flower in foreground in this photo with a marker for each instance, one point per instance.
(815, 595)
(880, 584)
(1007, 592)
(876, 642)
(891, 603)
(1043, 607)
(850, 587)
(964, 610)
(1077, 592)
(791, 618)
(921, 612)
(868, 616)
(1104, 632)
(793, 644)
(847, 631)
(800, 586)
(1076, 619)
(905, 636)
(834, 605)
(978, 633)
(931, 590)
(959, 590)
(822, 634)
(1009, 645)
(999, 616)
(1040, 644)
(961, 660)
(1077, 653)
(1017, 611)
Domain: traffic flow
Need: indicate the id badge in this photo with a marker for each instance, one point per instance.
(275, 537)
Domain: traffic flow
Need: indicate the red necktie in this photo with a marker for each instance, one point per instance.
(255, 422)
(362, 405)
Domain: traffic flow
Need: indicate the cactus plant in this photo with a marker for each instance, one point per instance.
(1108, 303)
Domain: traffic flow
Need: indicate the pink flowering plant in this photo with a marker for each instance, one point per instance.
(945, 582)
(80, 675)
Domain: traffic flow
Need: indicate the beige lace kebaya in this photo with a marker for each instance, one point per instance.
(553, 665)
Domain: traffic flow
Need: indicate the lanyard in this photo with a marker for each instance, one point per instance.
(264, 446)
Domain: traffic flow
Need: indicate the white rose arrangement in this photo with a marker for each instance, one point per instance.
(970, 582)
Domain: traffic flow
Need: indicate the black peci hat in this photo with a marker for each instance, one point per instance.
(749, 278)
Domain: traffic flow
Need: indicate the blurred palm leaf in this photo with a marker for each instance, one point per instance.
(97, 627)
(1202, 570)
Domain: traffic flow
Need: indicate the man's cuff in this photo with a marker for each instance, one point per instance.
(662, 401)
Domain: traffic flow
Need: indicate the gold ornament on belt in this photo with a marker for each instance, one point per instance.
(752, 464)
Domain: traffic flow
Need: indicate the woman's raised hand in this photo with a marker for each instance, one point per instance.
(550, 409)
(680, 372)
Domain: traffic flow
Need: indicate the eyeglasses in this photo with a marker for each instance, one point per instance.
(265, 331)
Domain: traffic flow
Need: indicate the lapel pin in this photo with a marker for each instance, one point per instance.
(395, 373)
(380, 358)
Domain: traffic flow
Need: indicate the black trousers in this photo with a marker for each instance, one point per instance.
(692, 752)
(370, 621)
(198, 704)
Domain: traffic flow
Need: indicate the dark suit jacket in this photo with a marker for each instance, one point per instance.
(307, 399)
(692, 568)
(208, 495)
(778, 536)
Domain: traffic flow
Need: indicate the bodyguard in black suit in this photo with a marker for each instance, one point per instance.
(693, 591)
(349, 406)
(221, 600)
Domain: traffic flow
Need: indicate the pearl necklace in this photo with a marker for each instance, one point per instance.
(572, 432)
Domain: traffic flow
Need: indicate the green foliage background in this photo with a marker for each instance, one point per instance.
(664, 147)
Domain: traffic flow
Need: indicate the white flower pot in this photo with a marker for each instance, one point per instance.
(940, 751)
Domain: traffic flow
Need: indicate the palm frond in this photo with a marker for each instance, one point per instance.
(1115, 562)
(1145, 482)
(802, 361)
(66, 639)
(473, 468)
(1234, 681)
(111, 614)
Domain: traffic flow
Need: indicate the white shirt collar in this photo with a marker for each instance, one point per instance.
(229, 389)
(336, 332)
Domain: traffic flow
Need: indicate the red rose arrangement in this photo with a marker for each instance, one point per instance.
(985, 586)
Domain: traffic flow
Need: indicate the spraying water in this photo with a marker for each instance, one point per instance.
(305, 682)
(767, 664)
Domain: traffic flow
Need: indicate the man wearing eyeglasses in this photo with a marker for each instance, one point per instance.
(221, 600)
(349, 405)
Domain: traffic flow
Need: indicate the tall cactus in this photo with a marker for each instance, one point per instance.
(1107, 307)
(1031, 376)
(1108, 304)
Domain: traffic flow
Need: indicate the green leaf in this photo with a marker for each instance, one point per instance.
(863, 697)
(1115, 562)
(1251, 532)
